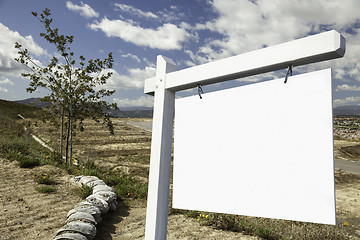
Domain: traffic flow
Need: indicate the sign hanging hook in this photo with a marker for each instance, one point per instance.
(200, 90)
(289, 72)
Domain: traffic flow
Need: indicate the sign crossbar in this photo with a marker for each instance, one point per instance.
(316, 48)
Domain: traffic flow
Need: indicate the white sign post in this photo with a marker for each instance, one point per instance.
(316, 48)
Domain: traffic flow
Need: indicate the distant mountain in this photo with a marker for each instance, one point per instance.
(125, 112)
(33, 102)
(131, 113)
(147, 112)
(346, 110)
(136, 108)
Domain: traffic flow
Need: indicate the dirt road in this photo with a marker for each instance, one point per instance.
(348, 166)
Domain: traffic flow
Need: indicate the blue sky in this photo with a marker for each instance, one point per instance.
(190, 32)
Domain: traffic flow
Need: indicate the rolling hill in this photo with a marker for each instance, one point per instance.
(131, 112)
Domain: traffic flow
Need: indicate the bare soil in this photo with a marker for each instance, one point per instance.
(347, 150)
(28, 214)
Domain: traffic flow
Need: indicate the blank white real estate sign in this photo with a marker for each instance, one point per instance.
(263, 150)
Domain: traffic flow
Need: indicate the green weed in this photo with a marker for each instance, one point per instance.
(45, 180)
(127, 186)
(85, 191)
(46, 189)
(124, 185)
(269, 228)
(26, 162)
(12, 154)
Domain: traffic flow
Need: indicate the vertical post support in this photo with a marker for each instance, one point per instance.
(160, 158)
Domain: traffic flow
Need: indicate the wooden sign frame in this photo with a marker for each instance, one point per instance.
(316, 48)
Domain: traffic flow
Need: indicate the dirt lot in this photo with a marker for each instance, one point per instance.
(28, 214)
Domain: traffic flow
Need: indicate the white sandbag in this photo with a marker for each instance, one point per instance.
(86, 229)
(70, 236)
(99, 203)
(87, 208)
(96, 183)
(106, 195)
(82, 217)
(87, 179)
(99, 188)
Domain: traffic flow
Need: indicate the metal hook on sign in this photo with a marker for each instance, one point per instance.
(200, 90)
(289, 72)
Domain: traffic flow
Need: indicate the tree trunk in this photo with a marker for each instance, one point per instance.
(62, 133)
(71, 132)
(67, 141)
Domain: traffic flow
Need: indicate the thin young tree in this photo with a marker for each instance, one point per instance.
(74, 86)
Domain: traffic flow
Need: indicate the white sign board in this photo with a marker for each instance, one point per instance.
(263, 150)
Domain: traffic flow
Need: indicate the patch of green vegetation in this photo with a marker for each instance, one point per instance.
(269, 228)
(16, 143)
(85, 191)
(46, 189)
(125, 186)
(46, 180)
(29, 162)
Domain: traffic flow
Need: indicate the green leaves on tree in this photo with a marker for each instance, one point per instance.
(74, 85)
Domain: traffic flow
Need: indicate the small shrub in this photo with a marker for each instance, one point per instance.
(131, 187)
(45, 180)
(91, 172)
(53, 158)
(28, 162)
(56, 157)
(10, 142)
(192, 214)
(90, 165)
(12, 154)
(46, 189)
(85, 191)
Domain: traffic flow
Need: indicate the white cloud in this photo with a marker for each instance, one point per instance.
(129, 55)
(337, 13)
(3, 89)
(6, 82)
(347, 101)
(346, 87)
(166, 37)
(172, 14)
(245, 26)
(8, 66)
(84, 9)
(133, 80)
(143, 101)
(135, 11)
(250, 25)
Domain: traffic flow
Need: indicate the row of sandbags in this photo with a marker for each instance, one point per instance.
(82, 220)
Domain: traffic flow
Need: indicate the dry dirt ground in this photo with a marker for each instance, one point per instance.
(28, 214)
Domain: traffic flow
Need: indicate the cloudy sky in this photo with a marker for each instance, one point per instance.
(190, 32)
